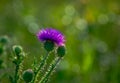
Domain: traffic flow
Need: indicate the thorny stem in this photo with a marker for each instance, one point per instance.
(17, 71)
(50, 70)
(16, 74)
(39, 68)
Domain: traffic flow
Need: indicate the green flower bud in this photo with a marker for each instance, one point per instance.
(28, 75)
(49, 45)
(61, 51)
(4, 39)
(17, 49)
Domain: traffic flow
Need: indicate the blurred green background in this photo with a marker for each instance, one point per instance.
(91, 28)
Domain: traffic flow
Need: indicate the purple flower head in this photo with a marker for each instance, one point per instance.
(51, 35)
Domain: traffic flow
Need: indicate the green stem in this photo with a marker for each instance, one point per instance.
(50, 70)
(40, 67)
(18, 69)
(16, 74)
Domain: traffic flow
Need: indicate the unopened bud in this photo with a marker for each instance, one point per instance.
(4, 39)
(17, 49)
(61, 51)
(28, 75)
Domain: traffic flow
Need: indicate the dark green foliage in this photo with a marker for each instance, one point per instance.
(1, 50)
(1, 61)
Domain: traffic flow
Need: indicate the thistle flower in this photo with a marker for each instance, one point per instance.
(52, 35)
